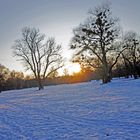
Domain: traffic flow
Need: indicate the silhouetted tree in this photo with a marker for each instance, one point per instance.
(54, 73)
(131, 55)
(1, 81)
(94, 41)
(4, 72)
(36, 55)
(66, 72)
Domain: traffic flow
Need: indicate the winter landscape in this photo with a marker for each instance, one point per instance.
(69, 70)
(85, 111)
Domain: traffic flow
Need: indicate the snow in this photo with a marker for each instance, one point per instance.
(85, 111)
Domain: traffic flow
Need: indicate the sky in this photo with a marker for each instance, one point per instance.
(55, 18)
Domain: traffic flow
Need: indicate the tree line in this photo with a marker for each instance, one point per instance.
(18, 80)
(10, 79)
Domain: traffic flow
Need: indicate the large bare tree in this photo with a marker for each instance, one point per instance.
(37, 54)
(94, 40)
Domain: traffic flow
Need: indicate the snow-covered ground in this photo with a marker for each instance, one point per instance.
(85, 111)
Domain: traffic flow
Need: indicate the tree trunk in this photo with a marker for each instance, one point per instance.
(106, 79)
(40, 85)
(106, 74)
(135, 75)
(138, 71)
(106, 71)
(134, 71)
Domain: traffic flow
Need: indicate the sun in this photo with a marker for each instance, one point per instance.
(74, 68)
(71, 69)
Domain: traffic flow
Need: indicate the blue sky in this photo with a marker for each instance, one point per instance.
(55, 18)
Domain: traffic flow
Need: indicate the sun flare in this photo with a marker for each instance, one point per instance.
(71, 69)
(74, 68)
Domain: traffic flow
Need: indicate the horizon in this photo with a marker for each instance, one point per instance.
(45, 16)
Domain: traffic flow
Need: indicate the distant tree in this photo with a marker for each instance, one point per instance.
(54, 73)
(4, 73)
(37, 55)
(16, 79)
(131, 55)
(1, 81)
(66, 72)
(94, 41)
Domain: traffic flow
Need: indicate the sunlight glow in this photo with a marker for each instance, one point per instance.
(74, 68)
(71, 68)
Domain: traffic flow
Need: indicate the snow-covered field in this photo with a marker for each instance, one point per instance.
(85, 111)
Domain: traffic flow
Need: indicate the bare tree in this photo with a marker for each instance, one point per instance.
(66, 72)
(54, 73)
(37, 55)
(131, 55)
(94, 41)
